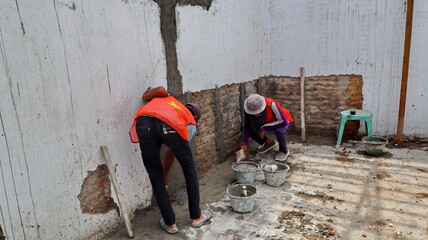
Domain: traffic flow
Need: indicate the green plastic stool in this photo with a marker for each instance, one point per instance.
(359, 115)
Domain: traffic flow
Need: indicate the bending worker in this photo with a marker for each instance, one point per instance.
(165, 120)
(264, 114)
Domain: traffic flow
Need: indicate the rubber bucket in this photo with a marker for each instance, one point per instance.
(240, 202)
(375, 145)
(275, 176)
(245, 172)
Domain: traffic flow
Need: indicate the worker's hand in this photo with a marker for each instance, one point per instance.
(261, 134)
(246, 150)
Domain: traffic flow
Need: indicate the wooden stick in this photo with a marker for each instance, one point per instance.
(112, 172)
(302, 103)
(405, 72)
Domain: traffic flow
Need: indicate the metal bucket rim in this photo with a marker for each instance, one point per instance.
(239, 197)
(370, 140)
(247, 163)
(287, 168)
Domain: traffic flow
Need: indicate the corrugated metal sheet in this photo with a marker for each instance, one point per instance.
(71, 73)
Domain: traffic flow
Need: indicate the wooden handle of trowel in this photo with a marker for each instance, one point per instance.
(112, 172)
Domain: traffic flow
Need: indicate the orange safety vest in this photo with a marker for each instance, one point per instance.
(270, 117)
(170, 111)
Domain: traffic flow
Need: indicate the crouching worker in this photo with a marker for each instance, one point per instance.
(165, 120)
(263, 114)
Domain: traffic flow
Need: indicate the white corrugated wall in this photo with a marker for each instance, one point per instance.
(72, 72)
(357, 37)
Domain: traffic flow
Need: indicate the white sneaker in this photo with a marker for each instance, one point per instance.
(282, 156)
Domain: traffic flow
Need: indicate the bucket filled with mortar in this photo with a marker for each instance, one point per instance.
(242, 197)
(275, 174)
(245, 172)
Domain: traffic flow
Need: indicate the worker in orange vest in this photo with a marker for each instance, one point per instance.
(165, 120)
(264, 114)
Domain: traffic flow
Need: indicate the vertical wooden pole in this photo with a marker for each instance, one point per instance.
(302, 103)
(112, 172)
(405, 72)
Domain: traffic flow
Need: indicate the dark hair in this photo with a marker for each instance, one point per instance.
(195, 110)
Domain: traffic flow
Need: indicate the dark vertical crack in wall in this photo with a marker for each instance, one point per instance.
(20, 18)
(168, 25)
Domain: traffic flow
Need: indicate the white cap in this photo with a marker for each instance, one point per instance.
(254, 104)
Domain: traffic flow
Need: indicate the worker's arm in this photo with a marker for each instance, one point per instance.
(167, 164)
(281, 121)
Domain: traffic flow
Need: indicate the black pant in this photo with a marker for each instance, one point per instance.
(152, 132)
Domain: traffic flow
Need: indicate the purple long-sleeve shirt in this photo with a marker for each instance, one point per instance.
(281, 121)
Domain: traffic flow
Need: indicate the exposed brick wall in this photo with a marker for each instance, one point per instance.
(205, 141)
(95, 194)
(325, 97)
(231, 116)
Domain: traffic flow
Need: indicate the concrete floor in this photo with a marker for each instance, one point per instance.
(329, 194)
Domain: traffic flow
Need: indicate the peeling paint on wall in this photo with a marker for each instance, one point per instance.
(95, 195)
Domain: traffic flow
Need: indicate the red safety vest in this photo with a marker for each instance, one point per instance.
(270, 117)
(170, 111)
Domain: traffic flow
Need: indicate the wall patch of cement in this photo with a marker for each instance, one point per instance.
(219, 125)
(168, 25)
(242, 98)
(203, 3)
(95, 195)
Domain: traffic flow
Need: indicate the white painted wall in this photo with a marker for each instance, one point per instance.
(72, 81)
(357, 37)
(70, 84)
(416, 120)
(227, 44)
